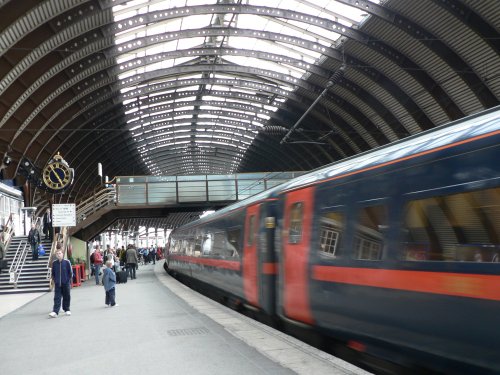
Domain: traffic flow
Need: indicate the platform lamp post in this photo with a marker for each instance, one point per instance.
(32, 176)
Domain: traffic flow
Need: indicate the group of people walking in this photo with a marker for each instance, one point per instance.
(148, 255)
(127, 259)
(62, 275)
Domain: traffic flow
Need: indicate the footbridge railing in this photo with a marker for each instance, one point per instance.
(166, 190)
(154, 191)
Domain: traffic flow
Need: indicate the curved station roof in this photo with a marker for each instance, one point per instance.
(180, 87)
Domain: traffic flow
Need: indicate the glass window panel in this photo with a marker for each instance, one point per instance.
(221, 190)
(461, 227)
(296, 216)
(219, 244)
(251, 229)
(330, 233)
(207, 244)
(233, 243)
(369, 234)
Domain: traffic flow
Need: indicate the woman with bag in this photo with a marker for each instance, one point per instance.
(34, 241)
(97, 264)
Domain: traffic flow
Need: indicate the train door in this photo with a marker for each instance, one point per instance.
(296, 238)
(250, 256)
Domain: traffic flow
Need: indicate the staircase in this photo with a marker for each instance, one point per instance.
(33, 278)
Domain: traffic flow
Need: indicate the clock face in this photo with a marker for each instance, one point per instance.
(57, 176)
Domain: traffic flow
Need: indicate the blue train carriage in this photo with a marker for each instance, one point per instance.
(401, 246)
(231, 252)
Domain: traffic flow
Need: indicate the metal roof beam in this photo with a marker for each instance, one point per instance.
(433, 43)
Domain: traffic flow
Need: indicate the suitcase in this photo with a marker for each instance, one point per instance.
(121, 277)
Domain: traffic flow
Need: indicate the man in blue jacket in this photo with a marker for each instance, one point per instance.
(62, 275)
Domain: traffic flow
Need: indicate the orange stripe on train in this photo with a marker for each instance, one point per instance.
(270, 268)
(453, 284)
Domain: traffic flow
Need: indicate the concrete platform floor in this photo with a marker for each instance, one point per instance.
(160, 327)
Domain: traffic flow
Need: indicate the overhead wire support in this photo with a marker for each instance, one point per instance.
(332, 81)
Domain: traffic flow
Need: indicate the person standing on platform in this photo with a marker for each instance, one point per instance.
(106, 252)
(152, 254)
(109, 282)
(47, 225)
(34, 241)
(92, 268)
(62, 275)
(123, 258)
(131, 261)
(97, 264)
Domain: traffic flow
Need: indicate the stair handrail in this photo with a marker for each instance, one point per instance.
(102, 198)
(16, 268)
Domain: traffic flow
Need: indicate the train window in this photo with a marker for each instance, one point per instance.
(185, 245)
(330, 235)
(206, 248)
(233, 243)
(295, 231)
(219, 244)
(197, 244)
(190, 246)
(251, 230)
(224, 244)
(369, 236)
(174, 245)
(462, 227)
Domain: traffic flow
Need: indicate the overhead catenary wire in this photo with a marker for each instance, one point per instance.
(332, 81)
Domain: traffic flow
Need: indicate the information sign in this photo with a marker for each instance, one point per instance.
(64, 215)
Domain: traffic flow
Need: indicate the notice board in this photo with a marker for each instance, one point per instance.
(64, 215)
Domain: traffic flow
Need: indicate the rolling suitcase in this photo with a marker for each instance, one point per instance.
(121, 277)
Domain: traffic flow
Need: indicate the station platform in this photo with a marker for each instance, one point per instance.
(159, 327)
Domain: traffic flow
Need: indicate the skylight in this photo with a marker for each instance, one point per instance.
(212, 74)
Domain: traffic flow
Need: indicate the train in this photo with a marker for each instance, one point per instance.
(394, 252)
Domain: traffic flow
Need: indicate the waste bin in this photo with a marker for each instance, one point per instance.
(76, 276)
(83, 272)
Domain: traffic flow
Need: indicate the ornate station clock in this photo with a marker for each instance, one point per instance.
(57, 175)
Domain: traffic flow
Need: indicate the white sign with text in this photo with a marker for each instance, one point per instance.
(64, 215)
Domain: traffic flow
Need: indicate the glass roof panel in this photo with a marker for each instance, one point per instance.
(238, 92)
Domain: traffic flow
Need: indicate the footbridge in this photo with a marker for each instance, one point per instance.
(177, 199)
